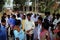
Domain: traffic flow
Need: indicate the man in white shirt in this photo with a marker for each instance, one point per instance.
(56, 20)
(48, 16)
(29, 26)
(18, 17)
(34, 18)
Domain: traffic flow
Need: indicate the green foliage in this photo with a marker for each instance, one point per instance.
(49, 4)
(19, 1)
(1, 4)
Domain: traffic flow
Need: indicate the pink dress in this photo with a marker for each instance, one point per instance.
(44, 35)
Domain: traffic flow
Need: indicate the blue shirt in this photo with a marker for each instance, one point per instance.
(11, 21)
(3, 33)
(19, 35)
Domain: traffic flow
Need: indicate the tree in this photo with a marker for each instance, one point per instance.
(19, 3)
(1, 4)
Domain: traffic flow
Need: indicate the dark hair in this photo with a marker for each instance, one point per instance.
(35, 15)
(8, 16)
(54, 14)
(40, 18)
(3, 20)
(24, 16)
(18, 15)
(29, 15)
(36, 24)
(13, 16)
(45, 26)
(47, 13)
(18, 22)
(3, 17)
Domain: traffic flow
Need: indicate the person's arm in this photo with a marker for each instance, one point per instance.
(47, 36)
(33, 25)
(54, 22)
(16, 34)
(22, 35)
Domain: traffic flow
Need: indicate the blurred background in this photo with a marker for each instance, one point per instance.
(38, 6)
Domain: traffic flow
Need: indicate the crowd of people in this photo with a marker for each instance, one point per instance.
(30, 26)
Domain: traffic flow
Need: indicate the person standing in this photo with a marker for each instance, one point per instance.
(39, 26)
(18, 32)
(29, 27)
(36, 31)
(23, 22)
(11, 22)
(57, 19)
(44, 34)
(3, 30)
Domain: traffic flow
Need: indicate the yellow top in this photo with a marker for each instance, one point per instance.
(23, 24)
